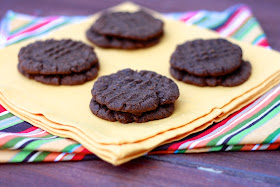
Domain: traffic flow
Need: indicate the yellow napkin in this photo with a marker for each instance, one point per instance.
(64, 110)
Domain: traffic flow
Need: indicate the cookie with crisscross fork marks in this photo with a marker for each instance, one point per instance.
(134, 92)
(52, 57)
(213, 57)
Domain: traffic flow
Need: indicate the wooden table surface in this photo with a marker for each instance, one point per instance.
(261, 168)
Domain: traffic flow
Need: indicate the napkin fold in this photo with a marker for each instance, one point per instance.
(118, 150)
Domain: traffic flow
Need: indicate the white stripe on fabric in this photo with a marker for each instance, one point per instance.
(59, 157)
(246, 111)
(220, 142)
(34, 156)
(235, 23)
(19, 144)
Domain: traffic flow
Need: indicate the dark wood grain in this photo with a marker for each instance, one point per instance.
(142, 171)
(227, 168)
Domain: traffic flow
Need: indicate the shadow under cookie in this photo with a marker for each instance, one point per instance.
(68, 79)
(163, 111)
(236, 78)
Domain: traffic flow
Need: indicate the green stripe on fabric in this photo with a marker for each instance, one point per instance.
(69, 147)
(16, 140)
(248, 24)
(218, 23)
(216, 148)
(40, 33)
(38, 143)
(237, 147)
(201, 20)
(241, 37)
(271, 136)
(240, 125)
(20, 156)
(22, 27)
(181, 151)
(41, 157)
(8, 115)
(12, 124)
(258, 37)
(236, 139)
(12, 142)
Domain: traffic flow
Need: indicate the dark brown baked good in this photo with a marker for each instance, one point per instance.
(134, 92)
(66, 79)
(103, 112)
(129, 25)
(52, 57)
(119, 43)
(214, 57)
(235, 78)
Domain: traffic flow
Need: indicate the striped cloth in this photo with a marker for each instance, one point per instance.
(22, 142)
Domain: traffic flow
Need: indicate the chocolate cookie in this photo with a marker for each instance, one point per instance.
(137, 25)
(52, 57)
(235, 78)
(67, 79)
(120, 43)
(214, 57)
(124, 117)
(134, 92)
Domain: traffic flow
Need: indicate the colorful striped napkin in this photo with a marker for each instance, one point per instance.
(22, 142)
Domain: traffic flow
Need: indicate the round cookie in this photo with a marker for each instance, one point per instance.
(103, 112)
(134, 92)
(69, 79)
(136, 25)
(235, 78)
(214, 57)
(52, 57)
(119, 43)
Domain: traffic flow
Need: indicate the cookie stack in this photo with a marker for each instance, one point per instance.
(211, 62)
(58, 62)
(130, 96)
(125, 30)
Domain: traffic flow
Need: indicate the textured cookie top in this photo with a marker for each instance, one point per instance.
(235, 78)
(56, 57)
(134, 92)
(137, 25)
(213, 57)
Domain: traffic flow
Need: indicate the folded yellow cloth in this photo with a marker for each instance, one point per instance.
(64, 110)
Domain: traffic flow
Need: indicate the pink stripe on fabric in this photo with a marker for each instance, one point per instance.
(34, 27)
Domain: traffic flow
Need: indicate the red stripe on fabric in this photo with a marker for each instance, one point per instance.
(263, 43)
(78, 157)
(272, 146)
(190, 15)
(241, 24)
(34, 27)
(175, 146)
(85, 151)
(248, 147)
(230, 19)
(5, 139)
(51, 157)
(2, 109)
(29, 130)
